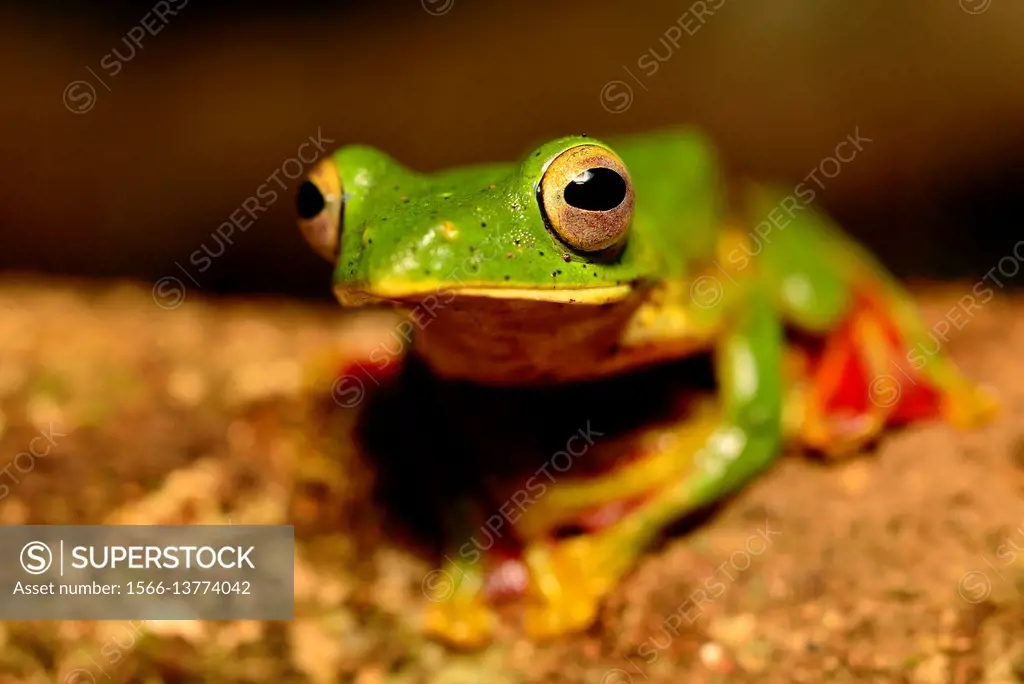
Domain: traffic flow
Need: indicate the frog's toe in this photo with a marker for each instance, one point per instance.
(569, 580)
(969, 406)
(838, 436)
(463, 624)
(555, 619)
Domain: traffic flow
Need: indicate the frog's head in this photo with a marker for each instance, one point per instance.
(498, 249)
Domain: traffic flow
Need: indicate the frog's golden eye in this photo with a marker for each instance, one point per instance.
(318, 203)
(586, 197)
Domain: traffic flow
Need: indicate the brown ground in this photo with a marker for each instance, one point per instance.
(894, 567)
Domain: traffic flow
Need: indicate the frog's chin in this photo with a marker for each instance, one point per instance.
(511, 335)
(409, 294)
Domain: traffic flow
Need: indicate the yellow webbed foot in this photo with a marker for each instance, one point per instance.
(463, 624)
(969, 406)
(457, 613)
(569, 580)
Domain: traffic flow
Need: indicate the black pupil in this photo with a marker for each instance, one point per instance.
(597, 189)
(309, 202)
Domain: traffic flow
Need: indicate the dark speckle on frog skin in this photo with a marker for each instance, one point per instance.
(554, 274)
(508, 277)
(595, 274)
(541, 253)
(483, 224)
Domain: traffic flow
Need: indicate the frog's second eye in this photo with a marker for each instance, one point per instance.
(318, 204)
(587, 198)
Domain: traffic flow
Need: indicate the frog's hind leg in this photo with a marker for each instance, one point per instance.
(878, 369)
(963, 403)
(851, 393)
(878, 365)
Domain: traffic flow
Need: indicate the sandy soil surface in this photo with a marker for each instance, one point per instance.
(905, 564)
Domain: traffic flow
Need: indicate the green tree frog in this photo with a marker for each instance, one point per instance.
(588, 261)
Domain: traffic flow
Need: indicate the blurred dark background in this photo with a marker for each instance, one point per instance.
(132, 171)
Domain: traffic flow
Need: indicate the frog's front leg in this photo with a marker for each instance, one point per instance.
(458, 613)
(369, 352)
(569, 578)
(366, 358)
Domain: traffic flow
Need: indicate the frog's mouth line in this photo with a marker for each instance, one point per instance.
(409, 293)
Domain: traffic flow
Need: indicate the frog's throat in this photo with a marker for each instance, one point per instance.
(411, 293)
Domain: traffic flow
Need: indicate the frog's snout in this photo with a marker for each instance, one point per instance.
(318, 204)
